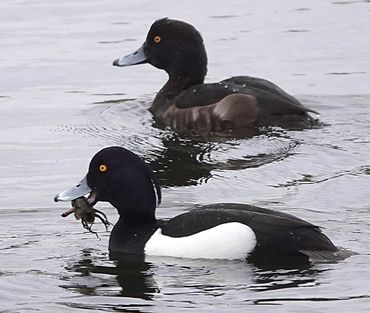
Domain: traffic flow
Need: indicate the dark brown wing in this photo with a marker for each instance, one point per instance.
(271, 99)
(267, 86)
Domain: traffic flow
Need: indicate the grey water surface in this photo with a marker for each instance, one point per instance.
(61, 100)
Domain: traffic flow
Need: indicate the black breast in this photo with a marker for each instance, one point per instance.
(129, 239)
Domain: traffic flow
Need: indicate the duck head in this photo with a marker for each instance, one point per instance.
(174, 46)
(122, 178)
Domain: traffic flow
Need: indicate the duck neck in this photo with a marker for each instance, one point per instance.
(136, 213)
(177, 82)
(128, 237)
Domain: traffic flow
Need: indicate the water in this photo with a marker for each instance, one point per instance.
(61, 100)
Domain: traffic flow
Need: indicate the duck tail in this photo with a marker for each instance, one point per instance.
(328, 255)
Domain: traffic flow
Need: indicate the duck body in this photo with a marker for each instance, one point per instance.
(216, 231)
(185, 102)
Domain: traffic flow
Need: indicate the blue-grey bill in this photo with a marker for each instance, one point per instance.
(75, 192)
(136, 57)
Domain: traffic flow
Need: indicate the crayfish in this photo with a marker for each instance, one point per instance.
(86, 213)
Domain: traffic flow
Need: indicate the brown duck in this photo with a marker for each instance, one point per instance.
(186, 103)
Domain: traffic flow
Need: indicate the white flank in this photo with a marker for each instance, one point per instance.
(230, 241)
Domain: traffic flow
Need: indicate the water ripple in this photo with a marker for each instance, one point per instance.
(315, 179)
(179, 159)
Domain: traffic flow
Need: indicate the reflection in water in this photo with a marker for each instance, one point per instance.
(134, 277)
(130, 277)
(304, 275)
(182, 159)
(188, 161)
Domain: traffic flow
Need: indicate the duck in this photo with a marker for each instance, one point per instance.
(226, 231)
(187, 103)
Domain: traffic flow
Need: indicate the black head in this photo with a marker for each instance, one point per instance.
(122, 178)
(174, 46)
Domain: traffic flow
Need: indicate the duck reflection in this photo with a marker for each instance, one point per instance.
(183, 159)
(128, 277)
(186, 160)
(274, 276)
(135, 277)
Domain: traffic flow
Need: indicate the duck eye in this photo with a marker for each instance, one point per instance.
(103, 168)
(157, 39)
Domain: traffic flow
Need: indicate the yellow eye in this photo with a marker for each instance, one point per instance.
(157, 39)
(103, 168)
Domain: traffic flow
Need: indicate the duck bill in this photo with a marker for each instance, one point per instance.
(74, 192)
(137, 57)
